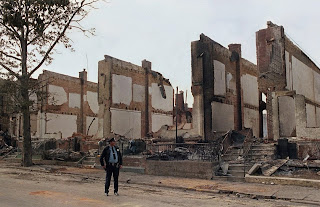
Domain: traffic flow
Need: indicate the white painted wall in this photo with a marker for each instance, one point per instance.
(316, 77)
(249, 85)
(287, 116)
(74, 100)
(311, 115)
(33, 124)
(251, 120)
(197, 114)
(66, 124)
(289, 83)
(100, 128)
(158, 102)
(302, 79)
(33, 97)
(222, 117)
(94, 126)
(57, 95)
(125, 121)
(158, 120)
(265, 127)
(92, 98)
(41, 124)
(231, 83)
(219, 78)
(138, 93)
(318, 116)
(121, 89)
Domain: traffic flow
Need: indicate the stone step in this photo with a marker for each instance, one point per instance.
(260, 152)
(233, 153)
(86, 162)
(261, 146)
(261, 156)
(263, 149)
(252, 152)
(239, 166)
(93, 159)
(230, 157)
(237, 173)
(89, 166)
(236, 150)
(250, 157)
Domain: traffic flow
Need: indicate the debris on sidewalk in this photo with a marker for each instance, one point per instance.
(269, 169)
(254, 168)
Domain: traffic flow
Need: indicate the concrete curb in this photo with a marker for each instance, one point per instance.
(283, 181)
(305, 202)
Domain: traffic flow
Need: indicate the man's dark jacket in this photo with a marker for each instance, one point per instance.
(106, 155)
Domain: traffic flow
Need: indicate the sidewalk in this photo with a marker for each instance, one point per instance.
(306, 195)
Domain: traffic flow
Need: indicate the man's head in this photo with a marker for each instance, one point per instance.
(112, 142)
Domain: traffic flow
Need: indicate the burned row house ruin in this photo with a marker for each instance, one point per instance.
(230, 93)
(291, 82)
(62, 105)
(225, 89)
(134, 101)
(279, 97)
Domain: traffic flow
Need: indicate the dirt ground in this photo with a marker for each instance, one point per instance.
(22, 187)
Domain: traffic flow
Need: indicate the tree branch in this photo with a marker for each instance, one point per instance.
(58, 39)
(47, 25)
(10, 56)
(10, 71)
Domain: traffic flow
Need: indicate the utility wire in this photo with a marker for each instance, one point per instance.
(311, 58)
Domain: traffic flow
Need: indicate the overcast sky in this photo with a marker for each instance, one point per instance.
(161, 31)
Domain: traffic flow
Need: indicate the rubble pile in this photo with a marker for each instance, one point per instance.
(5, 150)
(179, 153)
(62, 155)
(5, 144)
(42, 145)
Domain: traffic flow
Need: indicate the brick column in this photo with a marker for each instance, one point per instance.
(83, 81)
(145, 115)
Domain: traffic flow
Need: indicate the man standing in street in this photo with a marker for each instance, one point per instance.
(111, 161)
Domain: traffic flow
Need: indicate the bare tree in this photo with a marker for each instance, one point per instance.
(29, 32)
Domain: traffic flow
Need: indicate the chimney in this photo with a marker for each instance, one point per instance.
(83, 75)
(235, 48)
(146, 64)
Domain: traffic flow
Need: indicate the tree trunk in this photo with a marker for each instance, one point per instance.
(27, 147)
(25, 106)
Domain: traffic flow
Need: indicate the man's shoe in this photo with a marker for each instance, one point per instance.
(116, 193)
(107, 194)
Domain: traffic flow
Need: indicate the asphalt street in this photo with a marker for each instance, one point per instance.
(27, 188)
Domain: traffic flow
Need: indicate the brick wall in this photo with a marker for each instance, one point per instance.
(133, 79)
(77, 101)
(283, 66)
(217, 73)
